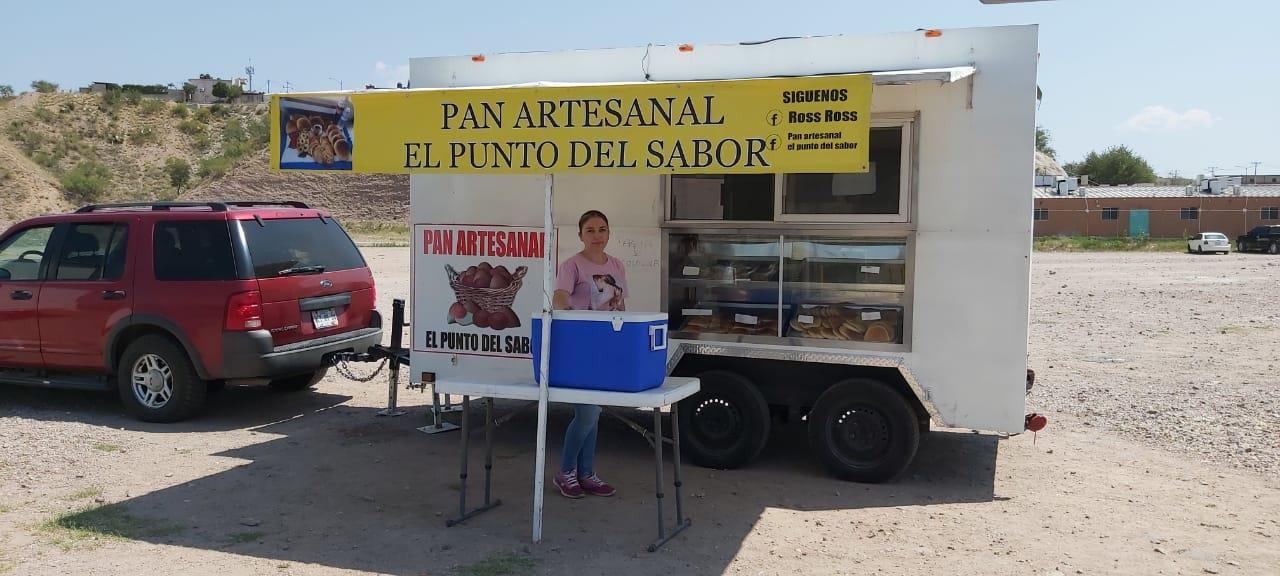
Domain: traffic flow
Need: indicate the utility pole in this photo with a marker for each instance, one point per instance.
(1213, 170)
(1255, 168)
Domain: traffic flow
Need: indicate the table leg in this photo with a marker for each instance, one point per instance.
(463, 514)
(681, 521)
(488, 448)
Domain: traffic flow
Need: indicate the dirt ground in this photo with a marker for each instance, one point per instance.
(1156, 371)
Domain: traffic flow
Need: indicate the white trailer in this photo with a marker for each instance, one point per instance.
(859, 305)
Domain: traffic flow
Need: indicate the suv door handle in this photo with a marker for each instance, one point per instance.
(113, 294)
(20, 295)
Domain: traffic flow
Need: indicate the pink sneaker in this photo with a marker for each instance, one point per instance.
(594, 486)
(567, 482)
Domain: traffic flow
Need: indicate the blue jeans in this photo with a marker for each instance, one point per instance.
(580, 440)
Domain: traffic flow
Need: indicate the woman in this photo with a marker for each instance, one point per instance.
(588, 280)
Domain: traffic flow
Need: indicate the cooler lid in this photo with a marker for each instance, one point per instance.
(604, 316)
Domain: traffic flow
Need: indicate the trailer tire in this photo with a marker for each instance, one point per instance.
(864, 431)
(726, 424)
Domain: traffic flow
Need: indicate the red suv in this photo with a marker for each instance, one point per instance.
(162, 301)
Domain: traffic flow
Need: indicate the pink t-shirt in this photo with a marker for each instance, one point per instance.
(593, 286)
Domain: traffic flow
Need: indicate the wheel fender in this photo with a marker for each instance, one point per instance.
(116, 341)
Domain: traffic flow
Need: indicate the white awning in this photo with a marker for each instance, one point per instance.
(939, 75)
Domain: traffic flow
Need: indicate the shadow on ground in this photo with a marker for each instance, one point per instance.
(339, 487)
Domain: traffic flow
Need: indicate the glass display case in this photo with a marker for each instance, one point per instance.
(804, 289)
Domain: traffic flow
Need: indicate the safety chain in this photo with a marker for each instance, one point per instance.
(343, 368)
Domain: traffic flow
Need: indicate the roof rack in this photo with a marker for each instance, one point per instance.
(165, 206)
(251, 203)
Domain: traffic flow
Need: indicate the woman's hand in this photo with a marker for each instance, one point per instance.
(560, 300)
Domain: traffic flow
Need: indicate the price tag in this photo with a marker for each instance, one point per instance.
(745, 319)
(805, 319)
(691, 271)
(871, 315)
(870, 269)
(695, 312)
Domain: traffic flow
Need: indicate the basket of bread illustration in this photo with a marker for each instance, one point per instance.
(489, 287)
(318, 137)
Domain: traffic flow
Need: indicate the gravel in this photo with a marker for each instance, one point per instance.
(1176, 351)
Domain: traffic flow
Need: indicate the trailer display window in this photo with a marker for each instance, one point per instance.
(843, 289)
(741, 197)
(881, 194)
(826, 291)
(723, 284)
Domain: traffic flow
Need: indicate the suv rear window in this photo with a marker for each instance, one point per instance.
(279, 245)
(193, 250)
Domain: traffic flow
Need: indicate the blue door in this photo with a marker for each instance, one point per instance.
(1139, 223)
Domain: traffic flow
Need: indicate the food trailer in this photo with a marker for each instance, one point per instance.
(862, 304)
(836, 229)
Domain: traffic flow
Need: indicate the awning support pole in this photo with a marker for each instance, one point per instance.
(548, 282)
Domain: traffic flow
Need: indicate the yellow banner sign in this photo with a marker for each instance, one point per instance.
(813, 124)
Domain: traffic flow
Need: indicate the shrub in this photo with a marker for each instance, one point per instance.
(179, 110)
(133, 97)
(144, 136)
(45, 159)
(44, 86)
(202, 141)
(260, 131)
(152, 107)
(87, 181)
(215, 166)
(110, 100)
(190, 127)
(220, 110)
(203, 115)
(234, 131)
(6, 91)
(44, 114)
(179, 172)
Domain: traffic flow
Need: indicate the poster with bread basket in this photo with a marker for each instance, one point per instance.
(477, 287)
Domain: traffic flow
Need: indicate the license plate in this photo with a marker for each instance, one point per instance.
(325, 318)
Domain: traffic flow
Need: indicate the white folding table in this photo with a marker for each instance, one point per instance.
(670, 393)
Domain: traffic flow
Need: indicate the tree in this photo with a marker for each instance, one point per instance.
(179, 172)
(44, 86)
(6, 90)
(1116, 165)
(234, 92)
(1042, 143)
(221, 90)
(189, 90)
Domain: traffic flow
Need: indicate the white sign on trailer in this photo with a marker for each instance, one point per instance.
(477, 288)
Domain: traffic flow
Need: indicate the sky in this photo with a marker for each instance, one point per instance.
(1188, 85)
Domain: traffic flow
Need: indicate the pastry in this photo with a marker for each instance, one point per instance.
(879, 332)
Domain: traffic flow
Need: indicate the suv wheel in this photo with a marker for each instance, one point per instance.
(157, 382)
(299, 382)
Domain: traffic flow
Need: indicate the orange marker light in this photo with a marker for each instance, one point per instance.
(478, 58)
(932, 33)
(686, 47)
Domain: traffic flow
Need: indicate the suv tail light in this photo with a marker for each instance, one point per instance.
(244, 311)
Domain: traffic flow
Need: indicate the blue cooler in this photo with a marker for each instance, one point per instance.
(618, 351)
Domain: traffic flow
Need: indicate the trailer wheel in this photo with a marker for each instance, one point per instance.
(864, 431)
(726, 424)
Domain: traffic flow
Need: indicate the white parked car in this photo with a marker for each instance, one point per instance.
(1208, 242)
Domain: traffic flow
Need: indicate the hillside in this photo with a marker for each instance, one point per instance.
(58, 151)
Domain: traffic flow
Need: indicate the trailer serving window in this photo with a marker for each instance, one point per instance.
(879, 195)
